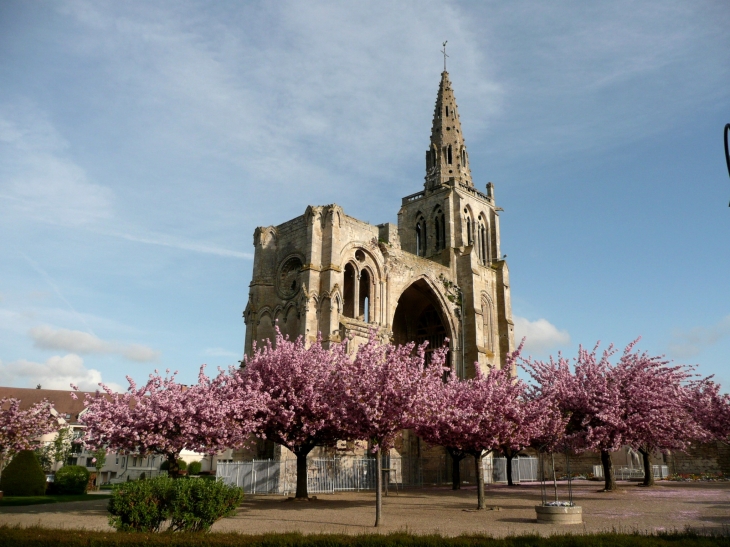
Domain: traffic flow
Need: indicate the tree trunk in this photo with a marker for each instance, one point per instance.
(648, 469)
(609, 477)
(508, 454)
(456, 457)
(481, 504)
(378, 489)
(173, 470)
(302, 474)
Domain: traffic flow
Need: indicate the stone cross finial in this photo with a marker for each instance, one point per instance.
(444, 52)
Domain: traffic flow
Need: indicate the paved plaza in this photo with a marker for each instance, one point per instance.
(665, 507)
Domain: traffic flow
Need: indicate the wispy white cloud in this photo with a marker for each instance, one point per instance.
(692, 342)
(38, 178)
(58, 372)
(540, 336)
(221, 352)
(49, 280)
(175, 243)
(45, 337)
(314, 103)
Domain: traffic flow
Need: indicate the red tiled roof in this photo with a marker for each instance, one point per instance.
(61, 400)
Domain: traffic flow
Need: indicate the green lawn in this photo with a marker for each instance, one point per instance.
(9, 501)
(43, 537)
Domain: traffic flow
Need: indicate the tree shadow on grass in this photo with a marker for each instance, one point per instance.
(91, 508)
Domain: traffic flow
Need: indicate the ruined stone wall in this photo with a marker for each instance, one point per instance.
(701, 458)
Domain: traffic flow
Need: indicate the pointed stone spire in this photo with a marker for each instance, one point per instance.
(446, 158)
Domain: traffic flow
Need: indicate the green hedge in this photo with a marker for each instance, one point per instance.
(71, 480)
(23, 476)
(189, 505)
(194, 468)
(43, 537)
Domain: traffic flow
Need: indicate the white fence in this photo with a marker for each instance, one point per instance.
(626, 473)
(329, 475)
(523, 470)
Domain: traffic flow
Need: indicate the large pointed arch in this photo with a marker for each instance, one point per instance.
(422, 314)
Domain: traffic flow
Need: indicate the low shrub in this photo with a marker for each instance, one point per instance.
(197, 504)
(23, 476)
(141, 506)
(71, 479)
(194, 468)
(189, 505)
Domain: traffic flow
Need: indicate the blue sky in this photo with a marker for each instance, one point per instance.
(141, 143)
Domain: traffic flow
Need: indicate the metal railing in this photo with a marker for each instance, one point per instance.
(329, 475)
(626, 473)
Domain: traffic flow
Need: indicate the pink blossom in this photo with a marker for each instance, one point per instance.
(20, 429)
(164, 417)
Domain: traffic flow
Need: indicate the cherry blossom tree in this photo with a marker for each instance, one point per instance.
(165, 417)
(639, 401)
(656, 410)
(710, 410)
(21, 428)
(476, 416)
(589, 400)
(304, 407)
(381, 389)
(530, 420)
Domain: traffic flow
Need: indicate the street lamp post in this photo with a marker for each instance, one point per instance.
(727, 151)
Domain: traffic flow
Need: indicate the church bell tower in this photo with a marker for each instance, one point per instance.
(454, 224)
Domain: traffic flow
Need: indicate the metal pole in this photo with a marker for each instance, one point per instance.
(727, 150)
(541, 476)
(570, 479)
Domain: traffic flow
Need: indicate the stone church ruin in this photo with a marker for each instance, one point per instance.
(438, 274)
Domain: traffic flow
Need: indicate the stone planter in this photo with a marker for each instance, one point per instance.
(557, 514)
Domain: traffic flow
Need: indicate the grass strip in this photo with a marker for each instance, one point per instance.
(45, 537)
(13, 501)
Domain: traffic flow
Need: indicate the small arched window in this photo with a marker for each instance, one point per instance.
(443, 231)
(364, 304)
(421, 236)
(447, 111)
(349, 291)
(467, 221)
(448, 155)
(438, 232)
(482, 241)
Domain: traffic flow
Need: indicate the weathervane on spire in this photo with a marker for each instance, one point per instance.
(444, 52)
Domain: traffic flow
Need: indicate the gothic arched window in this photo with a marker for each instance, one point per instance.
(438, 233)
(482, 240)
(421, 236)
(487, 323)
(364, 304)
(443, 231)
(349, 291)
(448, 155)
(467, 220)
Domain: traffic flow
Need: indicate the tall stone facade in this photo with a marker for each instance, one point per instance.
(437, 275)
